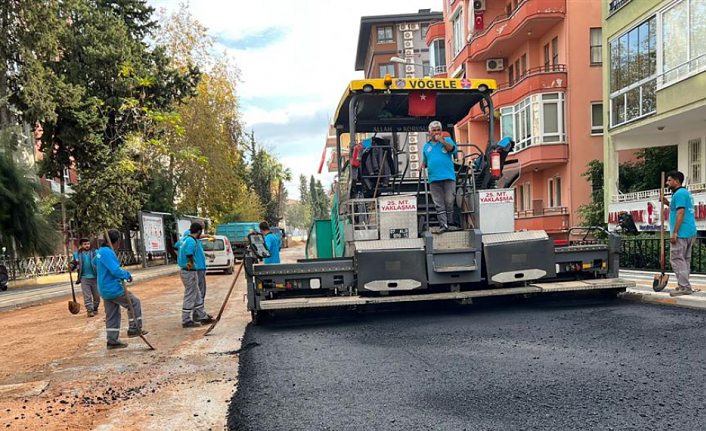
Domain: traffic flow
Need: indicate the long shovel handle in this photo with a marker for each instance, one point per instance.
(71, 279)
(661, 216)
(225, 301)
(130, 308)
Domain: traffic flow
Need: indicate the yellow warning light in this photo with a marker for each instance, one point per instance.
(586, 266)
(388, 80)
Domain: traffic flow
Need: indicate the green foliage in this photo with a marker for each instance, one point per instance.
(319, 200)
(642, 174)
(20, 217)
(298, 216)
(266, 177)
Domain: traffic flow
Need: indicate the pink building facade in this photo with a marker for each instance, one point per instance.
(549, 97)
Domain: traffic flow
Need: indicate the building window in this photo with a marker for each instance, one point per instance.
(387, 69)
(437, 56)
(552, 117)
(683, 40)
(458, 33)
(426, 69)
(695, 161)
(517, 69)
(520, 121)
(547, 59)
(596, 46)
(524, 64)
(523, 196)
(596, 118)
(386, 34)
(511, 75)
(555, 51)
(507, 124)
(528, 197)
(424, 29)
(633, 71)
(554, 192)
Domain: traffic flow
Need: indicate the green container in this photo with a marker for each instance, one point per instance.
(319, 245)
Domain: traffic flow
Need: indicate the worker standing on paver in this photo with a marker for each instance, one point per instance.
(272, 241)
(682, 224)
(110, 286)
(84, 262)
(189, 260)
(438, 158)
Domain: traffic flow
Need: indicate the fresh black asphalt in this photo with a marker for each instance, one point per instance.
(568, 364)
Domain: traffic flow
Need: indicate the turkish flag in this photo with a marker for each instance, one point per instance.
(478, 20)
(422, 103)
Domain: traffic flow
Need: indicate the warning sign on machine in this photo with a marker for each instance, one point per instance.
(398, 204)
(496, 197)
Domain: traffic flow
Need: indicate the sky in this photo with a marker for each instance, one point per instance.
(296, 58)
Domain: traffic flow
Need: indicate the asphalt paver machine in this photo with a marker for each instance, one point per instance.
(386, 243)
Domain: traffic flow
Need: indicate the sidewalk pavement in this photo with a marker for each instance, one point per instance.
(19, 297)
(643, 291)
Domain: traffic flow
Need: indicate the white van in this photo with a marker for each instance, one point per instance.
(219, 254)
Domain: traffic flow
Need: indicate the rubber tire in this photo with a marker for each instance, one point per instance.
(228, 271)
(255, 317)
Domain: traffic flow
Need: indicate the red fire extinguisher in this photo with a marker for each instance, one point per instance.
(495, 165)
(357, 155)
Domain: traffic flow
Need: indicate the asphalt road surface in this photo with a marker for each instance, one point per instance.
(589, 364)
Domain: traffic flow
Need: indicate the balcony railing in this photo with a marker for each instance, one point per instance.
(683, 71)
(542, 212)
(501, 17)
(553, 68)
(653, 194)
(438, 70)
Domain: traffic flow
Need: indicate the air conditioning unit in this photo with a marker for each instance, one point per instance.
(494, 65)
(409, 52)
(478, 5)
(408, 44)
(408, 35)
(409, 68)
(409, 75)
(414, 26)
(403, 27)
(413, 139)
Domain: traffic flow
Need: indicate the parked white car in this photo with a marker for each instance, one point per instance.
(219, 254)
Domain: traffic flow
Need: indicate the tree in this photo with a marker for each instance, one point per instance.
(115, 87)
(319, 200)
(641, 174)
(205, 159)
(297, 216)
(21, 223)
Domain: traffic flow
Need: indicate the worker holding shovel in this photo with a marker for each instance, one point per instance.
(682, 224)
(110, 286)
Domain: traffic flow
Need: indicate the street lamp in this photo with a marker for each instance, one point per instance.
(403, 61)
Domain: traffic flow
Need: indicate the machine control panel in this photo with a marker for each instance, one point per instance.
(257, 245)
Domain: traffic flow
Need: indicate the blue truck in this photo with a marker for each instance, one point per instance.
(237, 234)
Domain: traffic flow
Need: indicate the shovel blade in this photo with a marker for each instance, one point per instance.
(660, 282)
(74, 307)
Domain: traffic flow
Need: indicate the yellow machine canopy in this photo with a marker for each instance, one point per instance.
(407, 105)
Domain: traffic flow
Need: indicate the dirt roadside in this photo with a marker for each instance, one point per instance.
(56, 374)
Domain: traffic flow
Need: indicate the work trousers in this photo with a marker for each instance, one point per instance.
(202, 283)
(91, 298)
(680, 256)
(443, 195)
(112, 315)
(193, 301)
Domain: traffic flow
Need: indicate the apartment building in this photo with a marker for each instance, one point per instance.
(392, 45)
(546, 56)
(654, 91)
